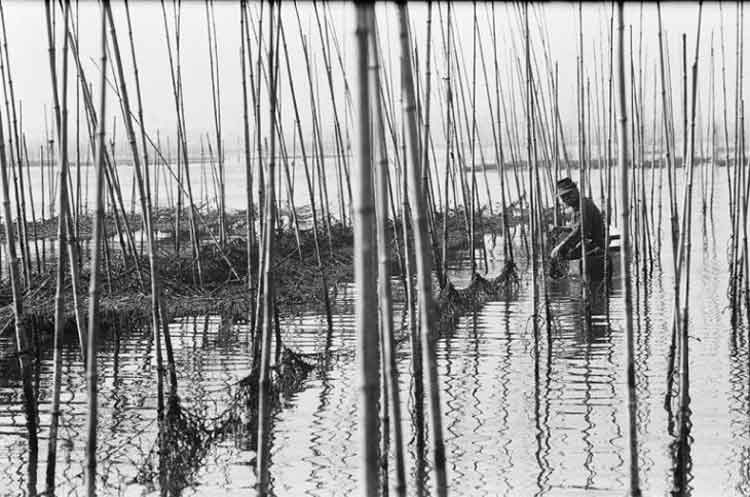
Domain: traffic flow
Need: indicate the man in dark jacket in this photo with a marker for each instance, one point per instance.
(570, 246)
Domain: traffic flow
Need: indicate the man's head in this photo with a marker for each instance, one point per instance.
(568, 192)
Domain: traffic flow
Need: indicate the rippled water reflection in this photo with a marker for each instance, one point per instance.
(519, 419)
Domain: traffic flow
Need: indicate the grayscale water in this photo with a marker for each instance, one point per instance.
(516, 423)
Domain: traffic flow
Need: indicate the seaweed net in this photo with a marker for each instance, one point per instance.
(187, 434)
(453, 303)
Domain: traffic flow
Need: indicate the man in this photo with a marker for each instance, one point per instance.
(570, 246)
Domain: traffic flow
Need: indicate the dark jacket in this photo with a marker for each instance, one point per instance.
(593, 227)
(594, 223)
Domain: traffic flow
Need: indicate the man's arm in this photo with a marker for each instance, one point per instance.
(569, 241)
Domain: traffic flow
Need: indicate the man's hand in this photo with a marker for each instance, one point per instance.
(555, 253)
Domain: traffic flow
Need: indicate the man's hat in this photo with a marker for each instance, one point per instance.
(566, 185)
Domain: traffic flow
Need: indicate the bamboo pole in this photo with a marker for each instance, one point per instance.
(673, 213)
(389, 367)
(583, 183)
(311, 194)
(182, 145)
(59, 317)
(472, 206)
(15, 153)
(69, 231)
(145, 203)
(724, 101)
(24, 347)
(94, 290)
(340, 156)
(426, 138)
(268, 284)
(318, 150)
(499, 155)
(41, 180)
(142, 123)
(364, 261)
(634, 485)
(682, 470)
(532, 204)
(31, 203)
(216, 101)
(424, 273)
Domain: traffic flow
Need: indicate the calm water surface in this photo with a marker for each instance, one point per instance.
(516, 422)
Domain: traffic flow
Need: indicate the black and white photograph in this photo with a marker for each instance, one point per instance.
(377, 249)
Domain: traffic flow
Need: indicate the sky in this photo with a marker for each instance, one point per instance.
(30, 70)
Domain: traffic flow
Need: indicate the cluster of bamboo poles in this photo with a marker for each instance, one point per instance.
(639, 224)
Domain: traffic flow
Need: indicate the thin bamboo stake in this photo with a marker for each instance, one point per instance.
(268, 286)
(145, 204)
(140, 108)
(582, 164)
(93, 305)
(622, 138)
(15, 153)
(724, 101)
(69, 232)
(216, 100)
(532, 204)
(318, 150)
(23, 339)
(499, 155)
(682, 469)
(673, 214)
(426, 139)
(424, 273)
(472, 206)
(389, 367)
(31, 202)
(182, 145)
(59, 317)
(311, 194)
(340, 155)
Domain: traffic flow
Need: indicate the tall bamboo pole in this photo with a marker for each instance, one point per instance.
(59, 317)
(499, 155)
(424, 272)
(268, 283)
(448, 153)
(93, 305)
(318, 150)
(673, 211)
(216, 100)
(144, 197)
(177, 92)
(31, 202)
(340, 156)
(140, 108)
(364, 261)
(532, 203)
(23, 342)
(426, 138)
(681, 478)
(622, 139)
(249, 217)
(308, 179)
(15, 152)
(472, 207)
(384, 281)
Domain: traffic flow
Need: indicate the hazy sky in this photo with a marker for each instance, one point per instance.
(27, 42)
